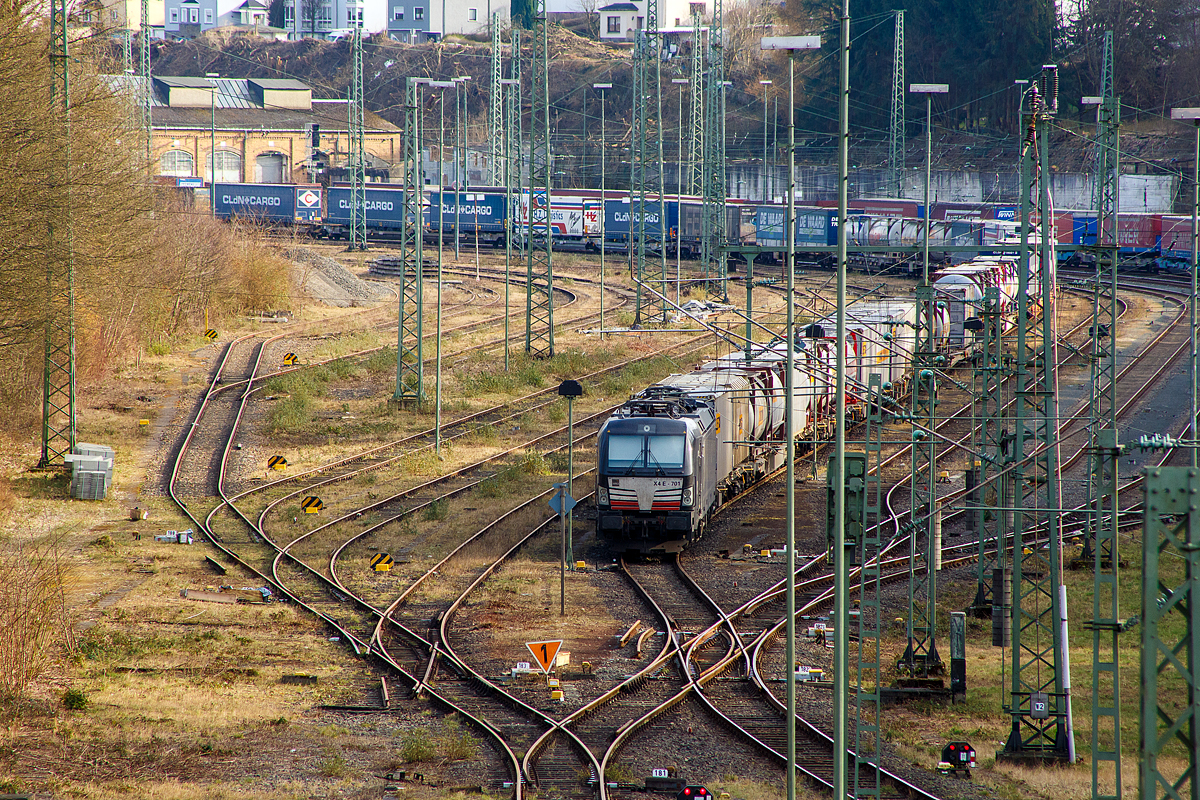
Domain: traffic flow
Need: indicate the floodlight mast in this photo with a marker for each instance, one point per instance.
(790, 45)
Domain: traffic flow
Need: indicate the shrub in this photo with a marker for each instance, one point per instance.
(75, 700)
(335, 767)
(32, 581)
(418, 745)
(436, 511)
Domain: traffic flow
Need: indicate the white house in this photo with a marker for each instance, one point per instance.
(188, 18)
(324, 17)
(621, 20)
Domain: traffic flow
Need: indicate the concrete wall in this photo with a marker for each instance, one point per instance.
(1070, 190)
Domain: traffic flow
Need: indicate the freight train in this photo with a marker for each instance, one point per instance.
(581, 219)
(675, 452)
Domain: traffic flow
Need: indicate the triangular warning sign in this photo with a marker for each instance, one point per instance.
(544, 652)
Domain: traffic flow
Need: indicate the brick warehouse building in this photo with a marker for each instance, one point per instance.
(263, 131)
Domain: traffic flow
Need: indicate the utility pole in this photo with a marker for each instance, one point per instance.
(681, 82)
(896, 129)
(58, 384)
(602, 88)
(512, 88)
(358, 156)
(1038, 704)
(791, 44)
(410, 383)
(213, 142)
(841, 639)
(1104, 450)
(539, 288)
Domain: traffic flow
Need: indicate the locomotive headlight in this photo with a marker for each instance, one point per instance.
(686, 499)
(602, 495)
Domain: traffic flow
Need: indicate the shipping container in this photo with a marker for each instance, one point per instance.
(814, 226)
(885, 207)
(574, 219)
(267, 202)
(620, 215)
(481, 212)
(385, 207)
(1176, 238)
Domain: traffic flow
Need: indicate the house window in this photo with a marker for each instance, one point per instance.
(208, 17)
(399, 12)
(472, 14)
(696, 9)
(193, 15)
(177, 163)
(174, 15)
(418, 13)
(112, 15)
(614, 24)
(640, 22)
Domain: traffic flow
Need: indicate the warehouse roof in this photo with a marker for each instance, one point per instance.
(237, 106)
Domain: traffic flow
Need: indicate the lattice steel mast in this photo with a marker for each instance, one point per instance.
(867, 693)
(144, 71)
(896, 129)
(539, 289)
(1038, 705)
(1170, 649)
(410, 384)
(358, 164)
(496, 107)
(713, 236)
(990, 496)
(646, 172)
(58, 384)
(1104, 448)
(921, 657)
(695, 169)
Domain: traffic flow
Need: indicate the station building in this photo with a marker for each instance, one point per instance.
(261, 130)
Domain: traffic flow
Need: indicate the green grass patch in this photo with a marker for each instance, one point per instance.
(381, 361)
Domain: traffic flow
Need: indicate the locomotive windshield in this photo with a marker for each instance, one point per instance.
(626, 452)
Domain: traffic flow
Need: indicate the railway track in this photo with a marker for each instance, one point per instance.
(421, 647)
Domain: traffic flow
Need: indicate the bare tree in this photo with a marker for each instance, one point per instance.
(591, 9)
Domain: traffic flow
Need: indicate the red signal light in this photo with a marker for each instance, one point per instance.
(687, 792)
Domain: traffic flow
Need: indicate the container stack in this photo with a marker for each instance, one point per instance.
(91, 470)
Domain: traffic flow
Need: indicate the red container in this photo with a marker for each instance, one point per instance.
(1139, 231)
(884, 207)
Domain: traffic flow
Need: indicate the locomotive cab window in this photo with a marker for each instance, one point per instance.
(628, 452)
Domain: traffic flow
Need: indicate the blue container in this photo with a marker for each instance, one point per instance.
(1083, 229)
(620, 214)
(483, 209)
(385, 206)
(265, 202)
(814, 226)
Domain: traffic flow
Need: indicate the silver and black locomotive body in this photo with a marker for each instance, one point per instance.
(675, 452)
